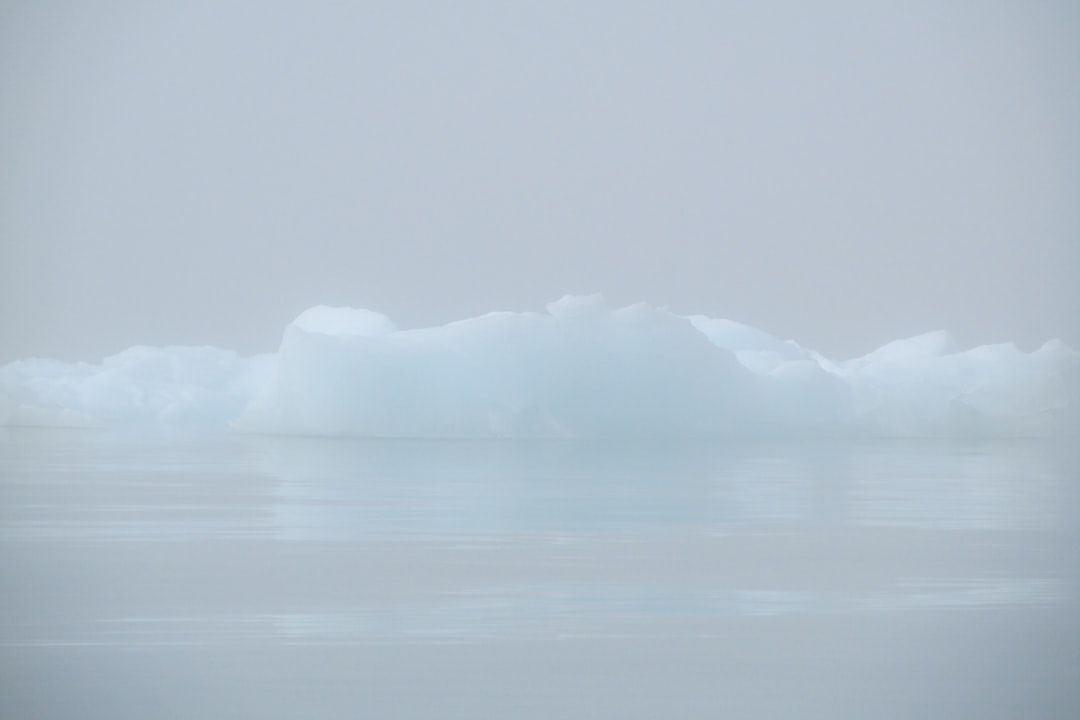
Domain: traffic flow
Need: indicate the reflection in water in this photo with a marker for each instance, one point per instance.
(547, 611)
(90, 485)
(968, 487)
(256, 555)
(335, 489)
(629, 611)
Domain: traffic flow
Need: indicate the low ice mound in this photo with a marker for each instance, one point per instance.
(921, 386)
(580, 369)
(180, 386)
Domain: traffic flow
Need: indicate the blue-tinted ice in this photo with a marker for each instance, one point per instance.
(578, 370)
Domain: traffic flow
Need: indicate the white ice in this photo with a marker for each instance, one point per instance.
(580, 369)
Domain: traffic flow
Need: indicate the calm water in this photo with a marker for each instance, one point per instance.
(229, 576)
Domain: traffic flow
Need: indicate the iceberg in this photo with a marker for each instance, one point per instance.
(580, 369)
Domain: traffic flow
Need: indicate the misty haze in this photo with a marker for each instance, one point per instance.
(517, 360)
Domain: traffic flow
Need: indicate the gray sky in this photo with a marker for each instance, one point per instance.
(842, 174)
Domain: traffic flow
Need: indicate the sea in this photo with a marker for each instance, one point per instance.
(172, 575)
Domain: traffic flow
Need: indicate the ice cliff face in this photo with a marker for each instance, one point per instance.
(580, 369)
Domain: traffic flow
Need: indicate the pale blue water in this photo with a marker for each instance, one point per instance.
(238, 576)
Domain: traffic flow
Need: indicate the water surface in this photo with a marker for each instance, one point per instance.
(227, 576)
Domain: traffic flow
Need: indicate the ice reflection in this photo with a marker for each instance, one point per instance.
(634, 611)
(301, 567)
(978, 487)
(93, 485)
(548, 611)
(625, 611)
(341, 489)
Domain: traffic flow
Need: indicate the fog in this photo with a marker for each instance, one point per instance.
(842, 174)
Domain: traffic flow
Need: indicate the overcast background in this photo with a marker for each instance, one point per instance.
(838, 173)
